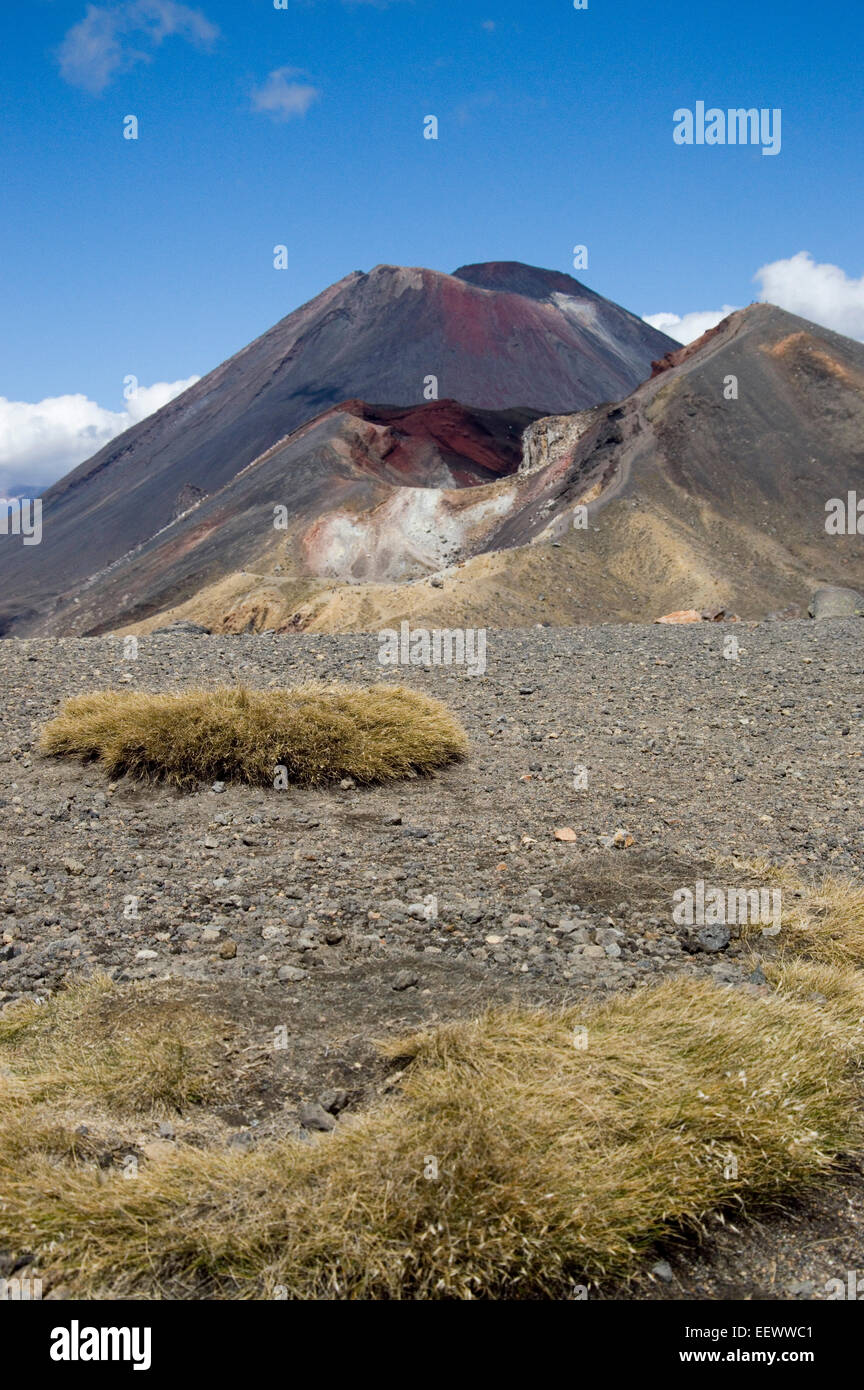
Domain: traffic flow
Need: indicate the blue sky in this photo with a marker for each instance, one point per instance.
(155, 257)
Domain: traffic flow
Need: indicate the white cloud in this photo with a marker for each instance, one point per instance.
(281, 98)
(148, 399)
(685, 328)
(108, 39)
(40, 442)
(823, 293)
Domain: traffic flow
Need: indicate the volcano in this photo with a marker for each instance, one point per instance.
(491, 337)
(685, 495)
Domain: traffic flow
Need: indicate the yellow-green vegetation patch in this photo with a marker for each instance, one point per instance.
(524, 1152)
(309, 735)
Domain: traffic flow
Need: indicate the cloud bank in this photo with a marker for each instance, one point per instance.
(823, 293)
(686, 327)
(40, 442)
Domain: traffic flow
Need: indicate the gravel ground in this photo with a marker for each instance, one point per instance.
(344, 913)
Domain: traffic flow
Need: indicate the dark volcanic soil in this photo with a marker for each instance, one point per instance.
(306, 909)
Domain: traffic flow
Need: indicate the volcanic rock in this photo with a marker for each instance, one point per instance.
(833, 601)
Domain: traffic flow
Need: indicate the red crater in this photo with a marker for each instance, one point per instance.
(476, 446)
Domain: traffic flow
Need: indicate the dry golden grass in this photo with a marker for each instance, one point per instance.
(822, 921)
(130, 1054)
(318, 733)
(556, 1164)
(93, 1054)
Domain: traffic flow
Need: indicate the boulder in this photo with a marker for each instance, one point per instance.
(832, 601)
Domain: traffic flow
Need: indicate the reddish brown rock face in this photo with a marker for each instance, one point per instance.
(475, 446)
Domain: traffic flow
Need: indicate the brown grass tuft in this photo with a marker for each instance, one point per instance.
(318, 733)
(821, 921)
(557, 1164)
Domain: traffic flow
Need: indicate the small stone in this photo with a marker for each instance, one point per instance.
(604, 936)
(73, 866)
(228, 950)
(333, 1101)
(333, 936)
(405, 979)
(146, 955)
(314, 1116)
(218, 787)
(663, 1270)
(347, 784)
(566, 833)
(714, 938)
(620, 839)
(292, 972)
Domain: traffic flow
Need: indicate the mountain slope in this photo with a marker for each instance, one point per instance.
(552, 346)
(693, 500)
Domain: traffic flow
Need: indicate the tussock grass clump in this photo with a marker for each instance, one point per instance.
(318, 733)
(93, 1055)
(554, 1163)
(826, 923)
(128, 1053)
(821, 921)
